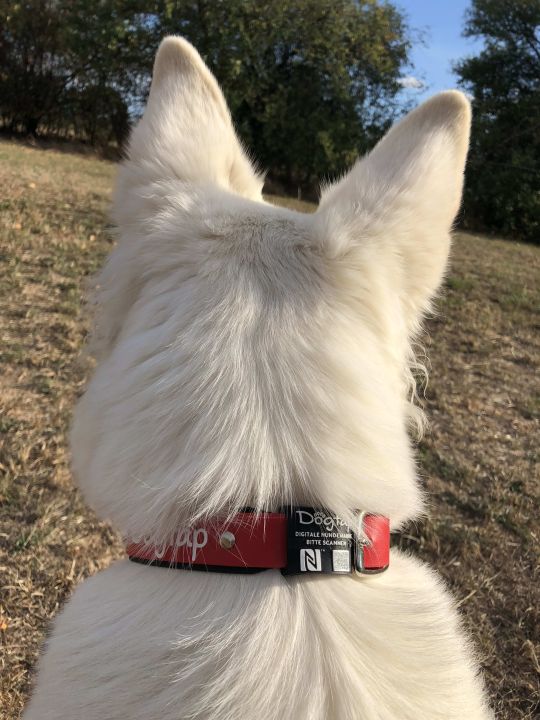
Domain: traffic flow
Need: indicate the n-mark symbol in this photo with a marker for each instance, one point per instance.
(310, 561)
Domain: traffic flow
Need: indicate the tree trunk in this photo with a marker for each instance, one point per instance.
(31, 125)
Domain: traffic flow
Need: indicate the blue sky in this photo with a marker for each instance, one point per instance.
(441, 22)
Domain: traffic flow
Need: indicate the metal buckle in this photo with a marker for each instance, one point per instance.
(360, 541)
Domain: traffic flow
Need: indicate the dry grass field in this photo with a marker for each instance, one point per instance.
(479, 461)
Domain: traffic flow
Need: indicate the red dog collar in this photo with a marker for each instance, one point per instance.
(301, 540)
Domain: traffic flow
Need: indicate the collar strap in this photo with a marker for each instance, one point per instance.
(303, 539)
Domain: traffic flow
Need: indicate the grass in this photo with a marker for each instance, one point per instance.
(480, 460)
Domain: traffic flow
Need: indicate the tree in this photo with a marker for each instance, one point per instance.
(56, 54)
(311, 83)
(503, 184)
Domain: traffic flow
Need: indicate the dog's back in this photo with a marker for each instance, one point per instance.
(148, 643)
(253, 356)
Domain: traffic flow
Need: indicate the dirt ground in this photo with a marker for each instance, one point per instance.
(479, 461)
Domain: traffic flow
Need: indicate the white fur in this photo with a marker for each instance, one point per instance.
(251, 355)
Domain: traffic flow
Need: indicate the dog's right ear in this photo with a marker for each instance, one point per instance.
(395, 208)
(186, 132)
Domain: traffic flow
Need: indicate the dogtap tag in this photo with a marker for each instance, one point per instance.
(318, 542)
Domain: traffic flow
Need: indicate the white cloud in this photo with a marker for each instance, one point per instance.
(409, 81)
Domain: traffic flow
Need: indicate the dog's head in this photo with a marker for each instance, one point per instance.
(249, 354)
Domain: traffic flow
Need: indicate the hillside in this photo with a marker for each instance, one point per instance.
(480, 459)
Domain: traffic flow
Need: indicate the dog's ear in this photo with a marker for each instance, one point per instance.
(186, 131)
(397, 205)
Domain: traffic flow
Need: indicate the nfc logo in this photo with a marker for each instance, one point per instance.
(310, 561)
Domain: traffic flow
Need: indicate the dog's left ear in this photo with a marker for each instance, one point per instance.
(186, 131)
(396, 206)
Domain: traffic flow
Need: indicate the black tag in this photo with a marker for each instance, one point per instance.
(317, 541)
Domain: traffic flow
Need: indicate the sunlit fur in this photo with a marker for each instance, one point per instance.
(252, 355)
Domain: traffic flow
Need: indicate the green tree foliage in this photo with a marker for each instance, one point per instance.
(72, 64)
(503, 185)
(310, 83)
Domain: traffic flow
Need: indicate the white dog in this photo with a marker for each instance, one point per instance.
(249, 355)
